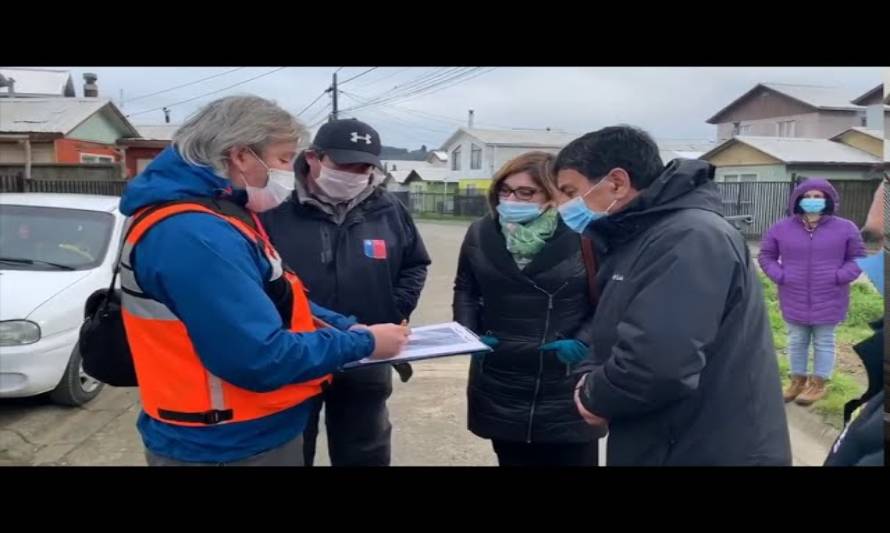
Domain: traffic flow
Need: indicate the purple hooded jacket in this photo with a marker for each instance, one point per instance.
(813, 271)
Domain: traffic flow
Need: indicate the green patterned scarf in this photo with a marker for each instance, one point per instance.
(524, 241)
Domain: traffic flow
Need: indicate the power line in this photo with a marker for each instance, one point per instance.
(181, 86)
(384, 77)
(321, 113)
(360, 100)
(358, 75)
(397, 119)
(273, 71)
(422, 114)
(313, 102)
(428, 88)
(430, 83)
(437, 74)
(464, 80)
(425, 77)
(439, 81)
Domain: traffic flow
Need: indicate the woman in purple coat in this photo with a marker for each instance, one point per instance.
(811, 256)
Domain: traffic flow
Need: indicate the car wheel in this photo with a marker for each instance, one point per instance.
(76, 387)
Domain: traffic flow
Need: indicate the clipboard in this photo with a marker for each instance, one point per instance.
(431, 342)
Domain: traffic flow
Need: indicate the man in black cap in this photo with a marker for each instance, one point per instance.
(358, 251)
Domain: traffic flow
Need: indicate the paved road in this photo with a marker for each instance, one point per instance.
(428, 413)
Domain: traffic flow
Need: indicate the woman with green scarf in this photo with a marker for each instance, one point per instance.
(522, 285)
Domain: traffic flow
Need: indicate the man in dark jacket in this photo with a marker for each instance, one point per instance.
(357, 250)
(687, 373)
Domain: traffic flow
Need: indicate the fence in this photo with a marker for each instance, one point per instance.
(16, 182)
(763, 203)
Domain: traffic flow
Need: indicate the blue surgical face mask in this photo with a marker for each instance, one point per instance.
(577, 216)
(813, 206)
(518, 212)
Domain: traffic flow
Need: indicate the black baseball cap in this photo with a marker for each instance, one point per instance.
(349, 141)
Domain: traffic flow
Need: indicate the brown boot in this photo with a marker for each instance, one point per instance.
(797, 386)
(814, 392)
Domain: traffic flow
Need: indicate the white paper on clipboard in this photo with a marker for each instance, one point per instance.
(428, 342)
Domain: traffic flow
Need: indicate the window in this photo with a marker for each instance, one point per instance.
(96, 158)
(731, 178)
(455, 159)
(475, 158)
(745, 129)
(77, 239)
(786, 128)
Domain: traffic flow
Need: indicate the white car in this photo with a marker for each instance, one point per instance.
(55, 251)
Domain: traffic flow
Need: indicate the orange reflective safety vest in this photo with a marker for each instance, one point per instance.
(174, 385)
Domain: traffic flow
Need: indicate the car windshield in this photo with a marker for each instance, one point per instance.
(51, 238)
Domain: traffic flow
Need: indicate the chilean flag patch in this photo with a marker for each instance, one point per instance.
(375, 249)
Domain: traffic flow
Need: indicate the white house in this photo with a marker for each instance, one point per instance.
(476, 154)
(437, 158)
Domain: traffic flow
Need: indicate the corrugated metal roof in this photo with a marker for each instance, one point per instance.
(404, 164)
(531, 138)
(39, 82)
(876, 92)
(435, 174)
(877, 134)
(803, 150)
(400, 175)
(52, 115)
(827, 98)
(817, 96)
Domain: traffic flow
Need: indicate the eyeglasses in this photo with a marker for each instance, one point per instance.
(521, 193)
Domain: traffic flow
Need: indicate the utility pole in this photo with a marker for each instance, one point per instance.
(333, 91)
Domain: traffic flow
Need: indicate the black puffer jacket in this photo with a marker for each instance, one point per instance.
(518, 393)
(687, 372)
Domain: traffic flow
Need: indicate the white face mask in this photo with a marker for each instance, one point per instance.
(277, 190)
(340, 185)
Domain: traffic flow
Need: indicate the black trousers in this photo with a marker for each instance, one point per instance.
(546, 453)
(356, 419)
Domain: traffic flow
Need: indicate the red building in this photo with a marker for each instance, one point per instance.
(140, 151)
(61, 130)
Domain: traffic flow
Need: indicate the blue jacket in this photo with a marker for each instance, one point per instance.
(211, 277)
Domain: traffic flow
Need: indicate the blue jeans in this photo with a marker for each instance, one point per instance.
(823, 340)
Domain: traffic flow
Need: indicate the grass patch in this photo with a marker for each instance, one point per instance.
(866, 306)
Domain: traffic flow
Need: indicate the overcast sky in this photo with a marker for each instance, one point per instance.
(669, 102)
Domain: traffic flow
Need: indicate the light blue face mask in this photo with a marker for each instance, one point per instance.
(813, 206)
(518, 212)
(577, 216)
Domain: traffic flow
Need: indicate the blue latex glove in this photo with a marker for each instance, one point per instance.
(569, 351)
(487, 340)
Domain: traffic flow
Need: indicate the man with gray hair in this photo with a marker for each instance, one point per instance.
(228, 350)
